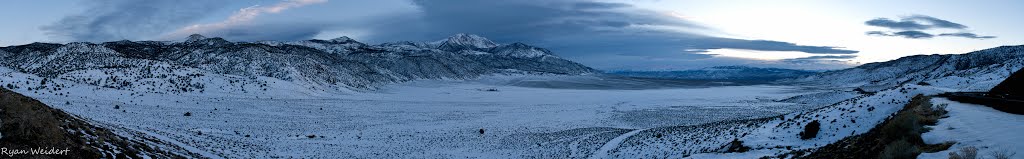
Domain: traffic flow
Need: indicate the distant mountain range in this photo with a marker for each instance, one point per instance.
(190, 65)
(722, 73)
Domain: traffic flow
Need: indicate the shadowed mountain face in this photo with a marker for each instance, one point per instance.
(27, 124)
(335, 63)
(1013, 86)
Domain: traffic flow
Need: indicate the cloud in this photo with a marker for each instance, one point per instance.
(108, 20)
(821, 60)
(914, 22)
(904, 34)
(912, 27)
(232, 26)
(576, 29)
(967, 35)
(580, 30)
(826, 57)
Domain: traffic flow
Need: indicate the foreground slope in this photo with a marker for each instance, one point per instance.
(29, 124)
(884, 88)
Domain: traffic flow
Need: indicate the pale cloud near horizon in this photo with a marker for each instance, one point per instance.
(241, 17)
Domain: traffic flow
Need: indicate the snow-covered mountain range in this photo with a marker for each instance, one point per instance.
(187, 66)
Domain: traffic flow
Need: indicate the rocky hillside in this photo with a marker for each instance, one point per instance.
(186, 66)
(979, 71)
(27, 124)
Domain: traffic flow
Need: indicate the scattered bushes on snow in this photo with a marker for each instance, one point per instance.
(896, 137)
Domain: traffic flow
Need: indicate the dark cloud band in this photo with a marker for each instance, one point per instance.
(915, 22)
(109, 20)
(904, 34)
(911, 27)
(967, 35)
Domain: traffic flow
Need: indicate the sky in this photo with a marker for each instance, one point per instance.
(604, 34)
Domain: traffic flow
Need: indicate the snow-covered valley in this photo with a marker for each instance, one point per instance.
(463, 97)
(422, 119)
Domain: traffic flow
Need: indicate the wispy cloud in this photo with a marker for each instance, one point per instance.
(915, 22)
(824, 59)
(905, 34)
(243, 16)
(913, 27)
(967, 35)
(108, 20)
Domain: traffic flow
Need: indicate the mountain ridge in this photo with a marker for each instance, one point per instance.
(319, 64)
(977, 70)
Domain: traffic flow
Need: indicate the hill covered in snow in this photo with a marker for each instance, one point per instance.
(975, 71)
(341, 63)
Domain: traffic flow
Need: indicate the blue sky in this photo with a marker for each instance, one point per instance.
(605, 34)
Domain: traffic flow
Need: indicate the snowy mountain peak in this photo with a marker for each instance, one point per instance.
(520, 50)
(195, 37)
(466, 41)
(343, 39)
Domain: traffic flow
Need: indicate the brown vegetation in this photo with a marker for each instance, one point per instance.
(29, 124)
(897, 137)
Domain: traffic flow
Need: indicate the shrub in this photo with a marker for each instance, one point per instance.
(188, 113)
(1003, 154)
(968, 152)
(811, 130)
(737, 146)
(900, 126)
(900, 149)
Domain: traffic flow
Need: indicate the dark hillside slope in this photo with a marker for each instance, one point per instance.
(27, 124)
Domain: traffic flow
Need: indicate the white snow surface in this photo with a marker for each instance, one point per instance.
(419, 119)
(239, 117)
(987, 129)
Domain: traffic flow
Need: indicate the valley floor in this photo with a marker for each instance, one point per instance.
(425, 119)
(505, 117)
